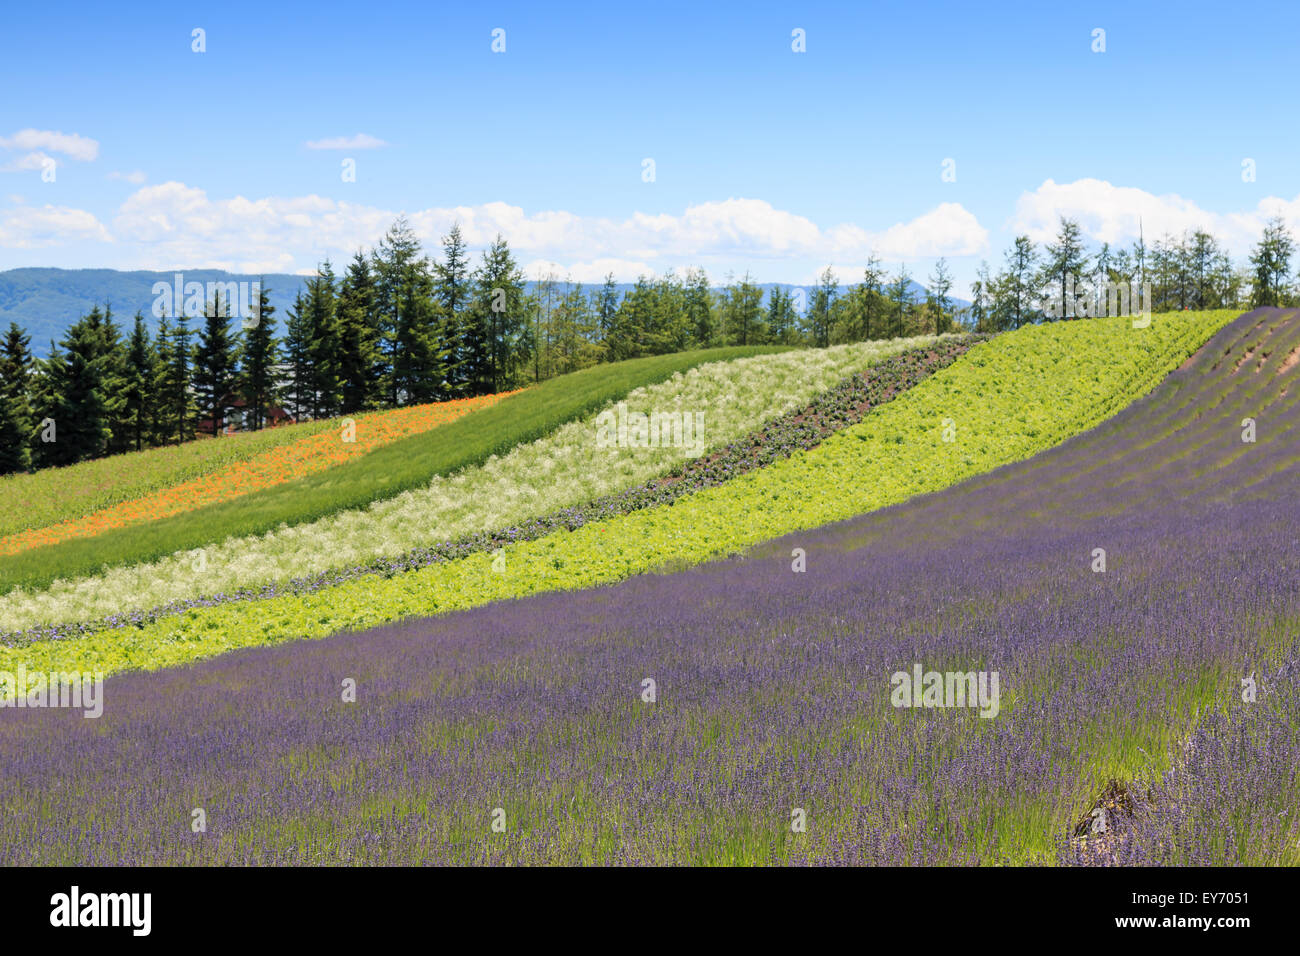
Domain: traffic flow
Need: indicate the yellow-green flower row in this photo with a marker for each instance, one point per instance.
(1004, 401)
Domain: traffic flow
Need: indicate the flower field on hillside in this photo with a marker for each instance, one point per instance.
(691, 717)
(384, 472)
(1008, 398)
(561, 470)
(348, 439)
(799, 428)
(52, 495)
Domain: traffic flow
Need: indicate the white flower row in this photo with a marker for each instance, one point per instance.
(564, 469)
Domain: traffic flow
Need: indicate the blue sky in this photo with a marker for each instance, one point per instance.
(764, 159)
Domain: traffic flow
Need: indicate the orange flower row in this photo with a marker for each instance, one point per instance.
(306, 456)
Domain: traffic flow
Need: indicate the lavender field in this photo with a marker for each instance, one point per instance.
(740, 712)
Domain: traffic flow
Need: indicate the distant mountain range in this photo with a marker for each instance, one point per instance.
(46, 301)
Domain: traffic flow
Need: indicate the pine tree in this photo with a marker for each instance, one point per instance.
(139, 393)
(633, 315)
(324, 344)
(258, 382)
(541, 327)
(408, 318)
(940, 301)
(297, 355)
(421, 369)
(113, 350)
(1271, 264)
(73, 395)
(163, 430)
(1066, 263)
(871, 302)
(177, 410)
(454, 289)
(1015, 287)
(214, 364)
(900, 295)
(819, 308)
(360, 360)
(982, 295)
(780, 315)
(605, 306)
(15, 401)
(670, 322)
(1163, 271)
(742, 308)
(499, 311)
(699, 306)
(1101, 270)
(575, 332)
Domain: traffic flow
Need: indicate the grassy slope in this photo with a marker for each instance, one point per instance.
(542, 729)
(350, 438)
(383, 473)
(561, 470)
(50, 495)
(1009, 399)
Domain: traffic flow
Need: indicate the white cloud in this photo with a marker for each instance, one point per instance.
(1109, 213)
(171, 225)
(33, 144)
(27, 227)
(589, 273)
(69, 144)
(177, 225)
(947, 230)
(28, 161)
(731, 229)
(359, 141)
(135, 177)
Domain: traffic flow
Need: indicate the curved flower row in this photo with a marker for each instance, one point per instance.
(563, 469)
(1010, 397)
(50, 495)
(774, 687)
(797, 430)
(349, 439)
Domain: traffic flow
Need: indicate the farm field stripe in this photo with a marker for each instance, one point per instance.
(304, 456)
(382, 473)
(563, 469)
(773, 693)
(51, 495)
(1030, 389)
(802, 428)
(1166, 438)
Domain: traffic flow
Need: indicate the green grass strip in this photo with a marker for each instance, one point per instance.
(383, 473)
(1004, 401)
(46, 497)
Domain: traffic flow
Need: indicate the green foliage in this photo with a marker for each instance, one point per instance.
(388, 471)
(75, 401)
(400, 328)
(176, 408)
(15, 409)
(453, 288)
(214, 365)
(45, 497)
(139, 389)
(497, 316)
(1271, 265)
(1008, 399)
(258, 383)
(324, 380)
(406, 318)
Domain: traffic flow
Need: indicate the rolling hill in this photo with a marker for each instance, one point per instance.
(1107, 542)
